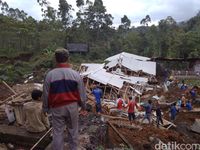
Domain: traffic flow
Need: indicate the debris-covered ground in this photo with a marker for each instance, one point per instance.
(96, 133)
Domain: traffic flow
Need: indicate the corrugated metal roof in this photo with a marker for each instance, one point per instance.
(125, 55)
(135, 65)
(115, 80)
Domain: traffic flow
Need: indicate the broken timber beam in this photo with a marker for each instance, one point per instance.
(125, 125)
(9, 87)
(121, 136)
(112, 117)
(41, 138)
(166, 123)
(19, 136)
(12, 97)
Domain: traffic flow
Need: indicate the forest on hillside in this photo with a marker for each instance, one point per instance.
(26, 44)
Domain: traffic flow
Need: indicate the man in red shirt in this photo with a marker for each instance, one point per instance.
(120, 104)
(131, 109)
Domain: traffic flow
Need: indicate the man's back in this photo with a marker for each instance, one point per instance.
(35, 119)
(97, 93)
(63, 86)
(173, 110)
(120, 103)
(148, 108)
(131, 106)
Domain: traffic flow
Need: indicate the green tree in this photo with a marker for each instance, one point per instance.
(125, 23)
(65, 13)
(145, 20)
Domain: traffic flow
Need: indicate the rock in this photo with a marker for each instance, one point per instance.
(151, 139)
(10, 146)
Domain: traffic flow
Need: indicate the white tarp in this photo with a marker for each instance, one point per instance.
(125, 55)
(108, 78)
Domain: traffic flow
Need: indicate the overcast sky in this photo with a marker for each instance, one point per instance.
(135, 10)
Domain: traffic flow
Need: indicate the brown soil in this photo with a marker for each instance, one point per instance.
(181, 134)
(141, 139)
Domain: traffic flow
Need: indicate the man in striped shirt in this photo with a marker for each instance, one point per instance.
(63, 93)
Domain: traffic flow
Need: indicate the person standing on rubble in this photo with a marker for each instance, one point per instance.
(173, 111)
(188, 105)
(148, 110)
(193, 94)
(131, 108)
(120, 102)
(64, 92)
(35, 120)
(158, 114)
(97, 92)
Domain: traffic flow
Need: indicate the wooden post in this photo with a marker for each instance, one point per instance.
(110, 93)
(104, 92)
(87, 82)
(139, 98)
(126, 90)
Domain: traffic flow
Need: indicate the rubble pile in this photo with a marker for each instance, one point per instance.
(111, 128)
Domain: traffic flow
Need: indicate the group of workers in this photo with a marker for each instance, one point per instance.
(148, 107)
(131, 105)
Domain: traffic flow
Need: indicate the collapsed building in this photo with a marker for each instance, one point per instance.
(123, 74)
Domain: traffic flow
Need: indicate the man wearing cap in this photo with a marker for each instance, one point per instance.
(63, 93)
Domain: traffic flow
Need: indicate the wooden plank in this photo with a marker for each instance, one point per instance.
(121, 136)
(9, 87)
(113, 117)
(170, 126)
(165, 122)
(12, 97)
(19, 136)
(120, 124)
(36, 144)
(110, 92)
(104, 92)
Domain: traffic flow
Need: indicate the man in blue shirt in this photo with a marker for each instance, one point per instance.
(173, 111)
(148, 109)
(193, 94)
(97, 92)
(188, 105)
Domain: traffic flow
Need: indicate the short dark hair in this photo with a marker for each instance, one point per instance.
(118, 96)
(36, 94)
(149, 101)
(61, 55)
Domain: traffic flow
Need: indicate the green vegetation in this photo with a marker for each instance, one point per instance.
(27, 44)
